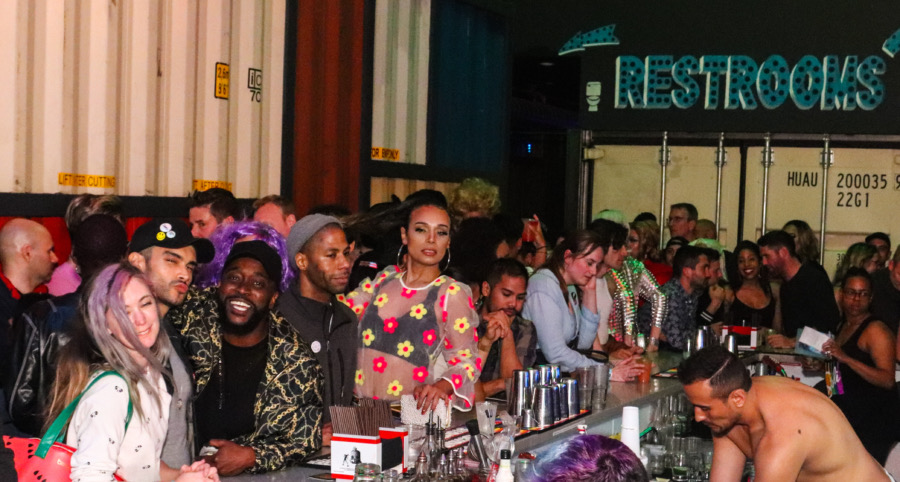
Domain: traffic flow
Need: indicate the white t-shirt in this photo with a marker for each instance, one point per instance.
(604, 309)
(103, 446)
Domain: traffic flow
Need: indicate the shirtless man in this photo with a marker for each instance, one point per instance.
(791, 431)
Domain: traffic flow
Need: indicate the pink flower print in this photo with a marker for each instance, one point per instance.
(420, 374)
(390, 324)
(429, 337)
(407, 293)
(457, 380)
(478, 363)
(379, 364)
(444, 316)
(447, 344)
(471, 305)
(468, 405)
(443, 302)
(475, 336)
(453, 362)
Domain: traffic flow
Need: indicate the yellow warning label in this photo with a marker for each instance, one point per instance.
(85, 180)
(385, 154)
(222, 80)
(202, 185)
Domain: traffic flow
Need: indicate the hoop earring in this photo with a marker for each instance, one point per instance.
(448, 260)
(400, 255)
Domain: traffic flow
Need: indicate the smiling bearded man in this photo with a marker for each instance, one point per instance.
(259, 386)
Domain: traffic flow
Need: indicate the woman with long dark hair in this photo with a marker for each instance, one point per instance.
(411, 315)
(754, 299)
(554, 303)
(118, 330)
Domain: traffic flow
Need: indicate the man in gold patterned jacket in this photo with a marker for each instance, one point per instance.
(259, 386)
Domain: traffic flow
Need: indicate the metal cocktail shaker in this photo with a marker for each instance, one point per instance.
(519, 397)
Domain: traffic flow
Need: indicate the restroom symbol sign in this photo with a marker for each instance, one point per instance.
(254, 84)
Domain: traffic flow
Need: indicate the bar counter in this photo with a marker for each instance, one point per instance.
(606, 421)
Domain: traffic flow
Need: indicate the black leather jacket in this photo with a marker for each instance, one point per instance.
(36, 336)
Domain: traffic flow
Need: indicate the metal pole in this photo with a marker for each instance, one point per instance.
(827, 162)
(720, 164)
(664, 159)
(767, 161)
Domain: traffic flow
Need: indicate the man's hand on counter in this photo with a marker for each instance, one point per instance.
(780, 341)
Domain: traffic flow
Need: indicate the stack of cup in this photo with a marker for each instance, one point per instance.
(631, 429)
(585, 377)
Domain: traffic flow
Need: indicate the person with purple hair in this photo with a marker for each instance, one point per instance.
(226, 236)
(595, 458)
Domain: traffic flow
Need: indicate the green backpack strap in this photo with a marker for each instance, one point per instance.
(54, 433)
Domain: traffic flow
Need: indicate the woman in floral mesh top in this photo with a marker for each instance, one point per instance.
(409, 318)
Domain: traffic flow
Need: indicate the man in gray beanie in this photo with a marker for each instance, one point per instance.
(320, 251)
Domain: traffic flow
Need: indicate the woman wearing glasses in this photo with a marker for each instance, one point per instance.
(864, 351)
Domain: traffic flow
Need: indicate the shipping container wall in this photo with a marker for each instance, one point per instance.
(400, 80)
(327, 131)
(627, 178)
(863, 189)
(383, 187)
(141, 97)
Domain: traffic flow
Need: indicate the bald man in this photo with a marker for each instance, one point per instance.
(27, 260)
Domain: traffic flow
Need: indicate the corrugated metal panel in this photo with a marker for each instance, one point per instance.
(328, 102)
(382, 188)
(125, 89)
(470, 87)
(400, 77)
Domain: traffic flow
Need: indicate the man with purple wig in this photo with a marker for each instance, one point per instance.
(595, 458)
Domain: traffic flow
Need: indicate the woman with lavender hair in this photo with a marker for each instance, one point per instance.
(595, 458)
(224, 238)
(117, 333)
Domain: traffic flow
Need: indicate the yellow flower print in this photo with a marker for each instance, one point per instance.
(439, 281)
(360, 378)
(381, 300)
(368, 337)
(352, 294)
(418, 311)
(453, 289)
(358, 309)
(367, 287)
(394, 388)
(464, 353)
(405, 349)
(461, 324)
(470, 370)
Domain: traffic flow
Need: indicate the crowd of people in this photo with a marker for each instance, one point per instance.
(232, 334)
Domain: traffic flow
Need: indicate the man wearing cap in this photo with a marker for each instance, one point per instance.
(259, 402)
(166, 252)
(320, 251)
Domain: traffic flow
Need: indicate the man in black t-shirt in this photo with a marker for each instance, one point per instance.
(259, 385)
(807, 297)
